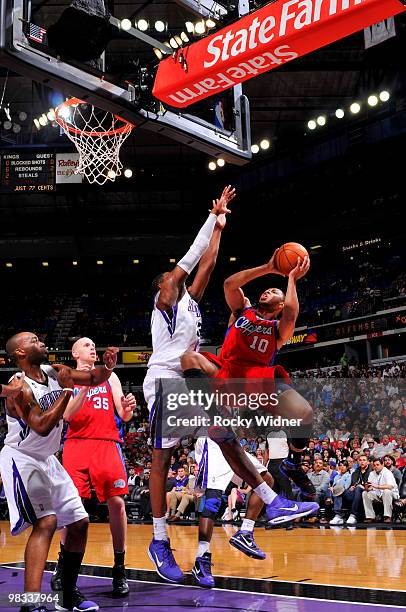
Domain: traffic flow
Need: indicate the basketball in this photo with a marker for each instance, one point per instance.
(286, 257)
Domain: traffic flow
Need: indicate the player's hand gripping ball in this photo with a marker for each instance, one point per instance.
(286, 258)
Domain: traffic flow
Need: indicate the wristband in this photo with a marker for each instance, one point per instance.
(68, 389)
(109, 369)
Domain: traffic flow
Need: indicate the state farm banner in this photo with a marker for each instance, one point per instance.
(66, 164)
(275, 34)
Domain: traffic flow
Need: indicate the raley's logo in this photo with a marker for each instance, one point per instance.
(269, 37)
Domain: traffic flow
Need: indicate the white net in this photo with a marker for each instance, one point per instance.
(97, 136)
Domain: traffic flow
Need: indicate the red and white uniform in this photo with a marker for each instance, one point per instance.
(249, 349)
(92, 452)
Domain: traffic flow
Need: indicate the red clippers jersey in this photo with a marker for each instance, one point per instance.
(250, 340)
(96, 418)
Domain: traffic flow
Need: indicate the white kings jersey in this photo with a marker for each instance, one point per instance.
(20, 436)
(174, 334)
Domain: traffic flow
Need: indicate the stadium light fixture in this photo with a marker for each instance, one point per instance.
(37, 124)
(143, 25)
(373, 100)
(314, 247)
(200, 27)
(128, 173)
(339, 113)
(312, 124)
(136, 261)
(210, 23)
(111, 174)
(16, 128)
(74, 263)
(100, 262)
(22, 115)
(173, 43)
(158, 53)
(212, 165)
(8, 125)
(44, 264)
(384, 96)
(220, 162)
(233, 259)
(160, 26)
(265, 144)
(190, 27)
(178, 40)
(254, 148)
(125, 24)
(184, 37)
(9, 264)
(355, 108)
(321, 120)
(172, 260)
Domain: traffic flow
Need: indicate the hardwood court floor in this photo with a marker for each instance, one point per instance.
(370, 558)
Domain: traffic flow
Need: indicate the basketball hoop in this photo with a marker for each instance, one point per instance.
(97, 136)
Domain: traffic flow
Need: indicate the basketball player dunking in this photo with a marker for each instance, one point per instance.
(253, 338)
(92, 454)
(40, 494)
(176, 323)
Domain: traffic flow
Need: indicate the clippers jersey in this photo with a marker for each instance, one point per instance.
(95, 420)
(173, 335)
(20, 436)
(250, 340)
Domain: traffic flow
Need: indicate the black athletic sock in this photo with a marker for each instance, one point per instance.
(119, 558)
(72, 562)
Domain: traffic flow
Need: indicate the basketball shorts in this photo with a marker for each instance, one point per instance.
(36, 488)
(214, 471)
(96, 462)
(154, 398)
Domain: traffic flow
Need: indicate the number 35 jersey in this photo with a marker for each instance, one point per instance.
(250, 340)
(95, 420)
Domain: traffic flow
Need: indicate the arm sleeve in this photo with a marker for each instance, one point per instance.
(199, 246)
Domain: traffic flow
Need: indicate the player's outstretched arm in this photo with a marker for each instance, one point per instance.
(208, 260)
(172, 284)
(94, 377)
(290, 310)
(75, 404)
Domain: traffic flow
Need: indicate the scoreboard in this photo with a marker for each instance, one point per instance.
(27, 172)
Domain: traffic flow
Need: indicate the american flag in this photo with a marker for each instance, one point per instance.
(36, 33)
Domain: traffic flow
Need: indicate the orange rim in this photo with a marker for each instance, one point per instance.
(127, 127)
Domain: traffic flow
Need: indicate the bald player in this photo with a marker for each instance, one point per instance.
(40, 493)
(92, 453)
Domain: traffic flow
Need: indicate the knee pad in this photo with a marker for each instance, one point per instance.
(212, 504)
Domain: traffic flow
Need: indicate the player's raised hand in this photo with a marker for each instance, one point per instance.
(220, 204)
(221, 221)
(272, 269)
(64, 375)
(110, 357)
(14, 387)
(301, 268)
(128, 403)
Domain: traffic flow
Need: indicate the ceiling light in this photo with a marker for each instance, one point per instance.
(190, 27)
(142, 25)
(136, 261)
(45, 264)
(8, 125)
(160, 26)
(158, 53)
(172, 260)
(210, 23)
(220, 162)
(339, 113)
(173, 43)
(212, 165)
(384, 96)
(312, 124)
(264, 144)
(74, 263)
(100, 262)
(254, 148)
(373, 100)
(355, 108)
(9, 264)
(22, 115)
(184, 37)
(178, 40)
(37, 124)
(128, 173)
(316, 246)
(321, 120)
(125, 24)
(111, 174)
(233, 259)
(16, 128)
(200, 27)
